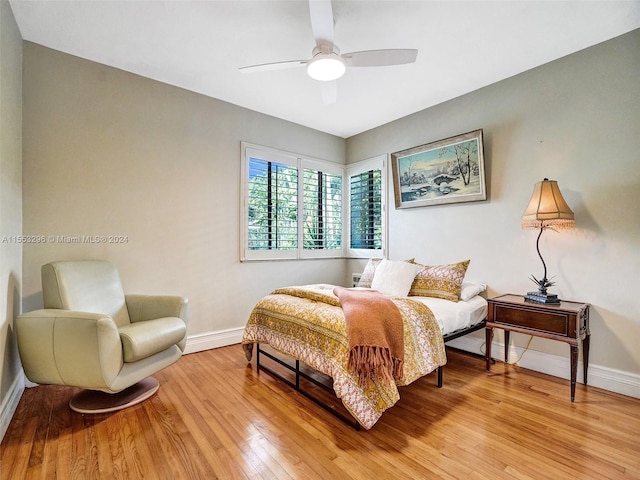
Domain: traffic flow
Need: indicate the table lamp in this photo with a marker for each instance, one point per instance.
(547, 209)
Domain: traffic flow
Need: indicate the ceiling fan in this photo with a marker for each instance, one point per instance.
(326, 63)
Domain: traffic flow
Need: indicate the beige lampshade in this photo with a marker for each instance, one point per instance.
(547, 207)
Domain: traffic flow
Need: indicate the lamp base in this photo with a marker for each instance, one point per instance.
(540, 297)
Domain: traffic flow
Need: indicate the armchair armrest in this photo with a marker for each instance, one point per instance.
(149, 307)
(66, 347)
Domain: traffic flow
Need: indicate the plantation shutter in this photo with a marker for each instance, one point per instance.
(273, 205)
(365, 190)
(322, 210)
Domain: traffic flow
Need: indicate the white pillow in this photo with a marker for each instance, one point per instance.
(394, 279)
(468, 290)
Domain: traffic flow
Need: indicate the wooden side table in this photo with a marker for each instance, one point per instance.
(567, 322)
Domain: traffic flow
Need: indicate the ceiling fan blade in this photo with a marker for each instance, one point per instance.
(380, 58)
(329, 92)
(268, 67)
(321, 14)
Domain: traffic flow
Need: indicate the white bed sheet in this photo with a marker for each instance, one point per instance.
(452, 316)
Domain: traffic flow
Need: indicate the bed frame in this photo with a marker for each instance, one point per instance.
(301, 374)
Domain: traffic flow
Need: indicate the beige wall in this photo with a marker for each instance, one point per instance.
(575, 120)
(111, 153)
(11, 383)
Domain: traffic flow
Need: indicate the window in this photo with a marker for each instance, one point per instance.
(367, 189)
(273, 205)
(292, 206)
(322, 197)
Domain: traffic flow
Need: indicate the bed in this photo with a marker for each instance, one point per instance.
(307, 324)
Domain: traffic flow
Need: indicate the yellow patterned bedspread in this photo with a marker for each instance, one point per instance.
(307, 323)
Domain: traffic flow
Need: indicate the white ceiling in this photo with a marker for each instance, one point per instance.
(199, 46)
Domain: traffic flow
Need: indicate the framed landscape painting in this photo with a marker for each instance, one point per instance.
(446, 171)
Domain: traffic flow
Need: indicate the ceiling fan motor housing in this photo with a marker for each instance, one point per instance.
(326, 64)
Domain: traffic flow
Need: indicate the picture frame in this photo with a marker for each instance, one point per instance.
(446, 171)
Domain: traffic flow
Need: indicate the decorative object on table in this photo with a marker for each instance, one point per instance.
(547, 209)
(446, 171)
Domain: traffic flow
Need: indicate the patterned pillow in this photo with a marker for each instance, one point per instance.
(439, 281)
(369, 271)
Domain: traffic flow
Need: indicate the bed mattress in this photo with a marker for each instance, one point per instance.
(452, 316)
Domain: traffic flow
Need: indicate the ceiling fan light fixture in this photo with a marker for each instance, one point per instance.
(326, 66)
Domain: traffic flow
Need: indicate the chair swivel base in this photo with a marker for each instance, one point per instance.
(93, 401)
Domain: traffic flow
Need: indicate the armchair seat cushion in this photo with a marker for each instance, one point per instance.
(143, 339)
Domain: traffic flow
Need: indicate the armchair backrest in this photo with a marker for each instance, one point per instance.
(85, 286)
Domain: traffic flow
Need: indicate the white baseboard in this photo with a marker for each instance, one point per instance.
(207, 341)
(606, 378)
(609, 379)
(10, 404)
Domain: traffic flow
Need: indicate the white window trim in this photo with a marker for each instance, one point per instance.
(300, 162)
(381, 162)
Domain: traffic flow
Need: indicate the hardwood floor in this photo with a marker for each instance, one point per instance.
(216, 417)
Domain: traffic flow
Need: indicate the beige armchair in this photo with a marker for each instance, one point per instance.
(93, 336)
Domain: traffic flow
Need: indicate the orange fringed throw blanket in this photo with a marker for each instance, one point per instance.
(374, 333)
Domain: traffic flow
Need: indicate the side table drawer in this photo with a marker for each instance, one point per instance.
(553, 323)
